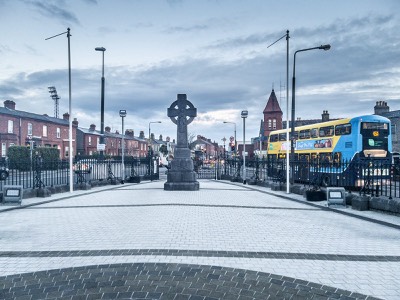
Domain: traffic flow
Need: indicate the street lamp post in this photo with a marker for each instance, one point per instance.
(244, 115)
(150, 150)
(292, 143)
(287, 107)
(226, 122)
(122, 114)
(70, 152)
(102, 49)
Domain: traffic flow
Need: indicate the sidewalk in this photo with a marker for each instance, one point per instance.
(225, 241)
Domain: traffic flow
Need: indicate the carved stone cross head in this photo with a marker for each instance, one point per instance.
(182, 111)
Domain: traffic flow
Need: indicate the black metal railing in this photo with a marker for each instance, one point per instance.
(40, 174)
(366, 176)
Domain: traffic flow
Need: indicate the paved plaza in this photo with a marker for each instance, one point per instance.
(225, 241)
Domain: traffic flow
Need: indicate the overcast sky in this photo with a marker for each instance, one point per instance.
(215, 51)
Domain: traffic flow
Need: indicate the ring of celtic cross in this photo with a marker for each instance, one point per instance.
(181, 116)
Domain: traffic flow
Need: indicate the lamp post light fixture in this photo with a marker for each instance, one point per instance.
(226, 122)
(244, 115)
(122, 114)
(70, 150)
(102, 49)
(292, 142)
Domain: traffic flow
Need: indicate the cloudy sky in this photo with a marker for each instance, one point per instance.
(215, 51)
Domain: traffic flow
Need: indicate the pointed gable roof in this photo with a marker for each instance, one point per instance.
(272, 104)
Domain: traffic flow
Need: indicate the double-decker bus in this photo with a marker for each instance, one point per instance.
(346, 152)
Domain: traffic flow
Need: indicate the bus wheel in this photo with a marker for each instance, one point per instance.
(326, 180)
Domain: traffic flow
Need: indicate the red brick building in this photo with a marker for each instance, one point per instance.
(18, 128)
(88, 139)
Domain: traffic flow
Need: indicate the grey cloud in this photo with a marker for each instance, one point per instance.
(6, 49)
(54, 11)
(187, 29)
(91, 1)
(243, 83)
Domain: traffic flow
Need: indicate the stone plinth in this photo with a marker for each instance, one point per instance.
(181, 175)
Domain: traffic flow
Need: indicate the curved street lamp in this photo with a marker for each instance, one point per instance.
(71, 150)
(322, 47)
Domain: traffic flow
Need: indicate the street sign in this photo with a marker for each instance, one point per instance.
(101, 147)
(12, 194)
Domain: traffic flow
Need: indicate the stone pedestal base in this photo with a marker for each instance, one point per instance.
(181, 186)
(181, 176)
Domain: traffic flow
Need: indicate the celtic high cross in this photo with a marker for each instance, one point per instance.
(182, 112)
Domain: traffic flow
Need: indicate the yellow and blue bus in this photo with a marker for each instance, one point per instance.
(336, 152)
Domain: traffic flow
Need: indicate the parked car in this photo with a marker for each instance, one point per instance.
(82, 167)
(4, 172)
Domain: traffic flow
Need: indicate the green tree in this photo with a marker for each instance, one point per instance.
(163, 149)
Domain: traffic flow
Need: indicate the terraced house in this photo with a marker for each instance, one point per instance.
(18, 128)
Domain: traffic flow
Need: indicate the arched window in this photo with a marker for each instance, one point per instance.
(269, 124)
(274, 124)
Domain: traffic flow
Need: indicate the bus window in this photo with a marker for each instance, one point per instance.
(296, 135)
(282, 136)
(314, 132)
(304, 134)
(325, 157)
(304, 157)
(314, 156)
(273, 138)
(343, 129)
(337, 157)
(375, 138)
(326, 131)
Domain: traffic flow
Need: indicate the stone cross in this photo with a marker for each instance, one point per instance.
(182, 112)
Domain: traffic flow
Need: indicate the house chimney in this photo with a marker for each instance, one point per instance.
(92, 127)
(141, 134)
(160, 138)
(107, 129)
(381, 108)
(66, 116)
(167, 139)
(325, 116)
(75, 122)
(9, 104)
(129, 132)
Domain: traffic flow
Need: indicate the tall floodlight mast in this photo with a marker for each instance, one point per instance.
(54, 96)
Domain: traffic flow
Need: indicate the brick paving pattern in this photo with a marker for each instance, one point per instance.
(226, 241)
(163, 281)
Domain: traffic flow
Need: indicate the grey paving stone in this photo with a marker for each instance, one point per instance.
(180, 286)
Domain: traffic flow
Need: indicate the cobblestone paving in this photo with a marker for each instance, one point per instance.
(163, 281)
(226, 241)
